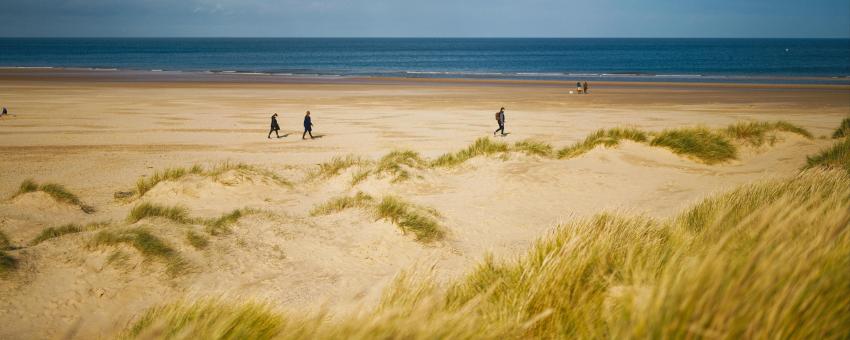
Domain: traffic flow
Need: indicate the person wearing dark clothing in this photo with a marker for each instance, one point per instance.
(584, 87)
(4, 112)
(500, 119)
(308, 126)
(275, 128)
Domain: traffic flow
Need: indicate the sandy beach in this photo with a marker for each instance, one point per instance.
(97, 133)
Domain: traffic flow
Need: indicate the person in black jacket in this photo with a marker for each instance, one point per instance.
(308, 126)
(500, 119)
(275, 127)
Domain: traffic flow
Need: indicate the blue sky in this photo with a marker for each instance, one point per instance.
(424, 18)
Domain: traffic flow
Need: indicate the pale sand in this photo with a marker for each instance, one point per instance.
(99, 137)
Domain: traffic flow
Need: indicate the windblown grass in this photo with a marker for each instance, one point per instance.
(534, 148)
(483, 146)
(835, 157)
(608, 138)
(57, 191)
(49, 233)
(150, 246)
(197, 240)
(700, 143)
(759, 133)
(337, 165)
(765, 261)
(337, 204)
(410, 218)
(221, 225)
(177, 214)
(360, 175)
(397, 164)
(843, 130)
(70, 228)
(209, 320)
(143, 185)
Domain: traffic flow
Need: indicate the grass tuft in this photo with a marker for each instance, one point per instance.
(209, 319)
(534, 148)
(759, 133)
(221, 225)
(397, 164)
(150, 246)
(608, 138)
(410, 218)
(483, 146)
(336, 166)
(50, 233)
(843, 130)
(700, 143)
(143, 185)
(57, 191)
(27, 186)
(337, 204)
(177, 214)
(835, 157)
(360, 175)
(197, 240)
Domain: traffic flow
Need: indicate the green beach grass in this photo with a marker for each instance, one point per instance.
(57, 191)
(774, 268)
(143, 185)
(150, 246)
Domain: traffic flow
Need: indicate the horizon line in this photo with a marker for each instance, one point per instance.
(391, 37)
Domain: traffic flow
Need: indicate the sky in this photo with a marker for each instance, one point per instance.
(425, 18)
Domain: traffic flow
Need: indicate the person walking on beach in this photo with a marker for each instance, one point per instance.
(500, 119)
(584, 87)
(275, 128)
(308, 126)
(578, 87)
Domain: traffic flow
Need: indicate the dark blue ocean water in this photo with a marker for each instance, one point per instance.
(641, 59)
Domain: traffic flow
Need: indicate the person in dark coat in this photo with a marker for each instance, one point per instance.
(584, 87)
(500, 119)
(308, 126)
(275, 127)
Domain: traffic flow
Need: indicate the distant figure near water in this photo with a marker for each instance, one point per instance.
(578, 87)
(584, 87)
(275, 128)
(500, 119)
(308, 126)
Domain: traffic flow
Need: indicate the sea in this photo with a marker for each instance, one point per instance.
(822, 61)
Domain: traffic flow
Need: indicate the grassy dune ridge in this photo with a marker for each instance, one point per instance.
(766, 260)
(57, 191)
(709, 146)
(148, 244)
(409, 217)
(143, 185)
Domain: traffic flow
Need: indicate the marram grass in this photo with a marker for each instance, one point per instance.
(70, 228)
(835, 157)
(149, 245)
(700, 143)
(608, 138)
(144, 210)
(843, 130)
(57, 191)
(412, 218)
(337, 204)
(143, 185)
(768, 260)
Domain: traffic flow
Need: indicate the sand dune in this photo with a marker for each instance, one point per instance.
(277, 251)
